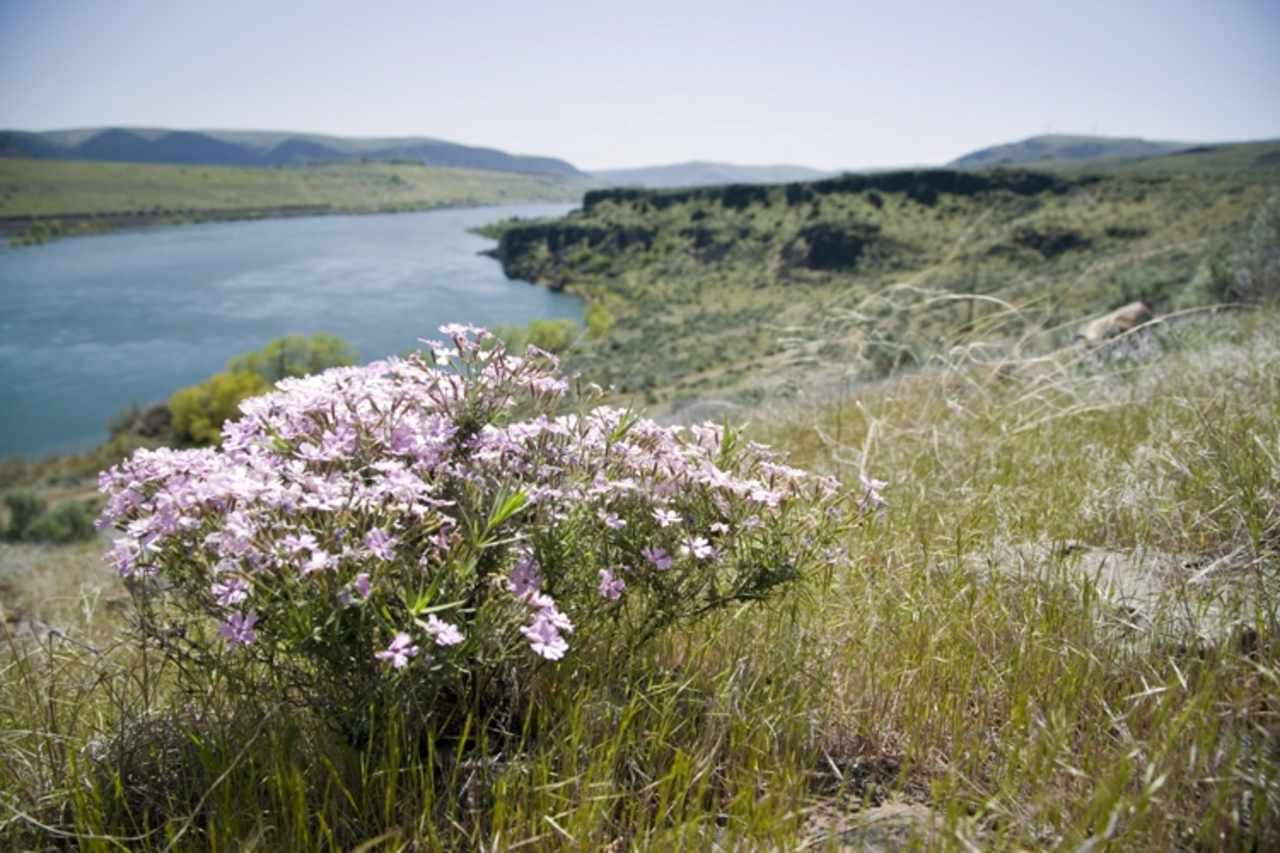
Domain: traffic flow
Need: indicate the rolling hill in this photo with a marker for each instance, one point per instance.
(262, 149)
(1038, 149)
(702, 173)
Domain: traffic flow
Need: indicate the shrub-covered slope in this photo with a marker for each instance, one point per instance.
(751, 288)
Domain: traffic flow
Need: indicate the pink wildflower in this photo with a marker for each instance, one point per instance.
(238, 629)
(123, 555)
(611, 587)
(381, 544)
(526, 576)
(444, 633)
(231, 591)
(698, 547)
(399, 652)
(319, 561)
(871, 499)
(544, 638)
(659, 557)
(666, 517)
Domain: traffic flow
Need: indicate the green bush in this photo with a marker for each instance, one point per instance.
(71, 521)
(31, 520)
(477, 542)
(200, 410)
(599, 320)
(24, 508)
(295, 355)
(554, 336)
(1251, 272)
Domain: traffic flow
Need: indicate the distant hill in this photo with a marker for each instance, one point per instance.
(698, 173)
(1038, 149)
(261, 148)
(1260, 159)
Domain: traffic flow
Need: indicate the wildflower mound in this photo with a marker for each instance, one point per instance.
(430, 534)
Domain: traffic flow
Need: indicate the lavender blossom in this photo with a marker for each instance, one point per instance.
(611, 586)
(238, 628)
(399, 651)
(445, 633)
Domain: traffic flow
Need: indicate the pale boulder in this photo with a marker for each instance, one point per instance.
(1116, 323)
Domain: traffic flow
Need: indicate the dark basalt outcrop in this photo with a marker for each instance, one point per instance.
(532, 251)
(1125, 232)
(826, 246)
(924, 186)
(1050, 242)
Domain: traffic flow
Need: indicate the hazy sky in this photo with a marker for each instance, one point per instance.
(827, 84)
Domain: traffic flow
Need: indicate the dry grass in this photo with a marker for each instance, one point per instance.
(968, 665)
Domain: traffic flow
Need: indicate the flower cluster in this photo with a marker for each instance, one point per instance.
(433, 505)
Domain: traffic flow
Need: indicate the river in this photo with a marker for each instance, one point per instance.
(92, 324)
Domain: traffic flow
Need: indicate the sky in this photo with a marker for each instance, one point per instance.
(836, 84)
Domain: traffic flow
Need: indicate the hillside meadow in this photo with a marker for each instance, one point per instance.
(1044, 617)
(1058, 631)
(738, 293)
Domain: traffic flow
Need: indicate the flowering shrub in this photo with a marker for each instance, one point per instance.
(425, 530)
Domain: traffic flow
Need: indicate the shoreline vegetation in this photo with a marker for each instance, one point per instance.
(1055, 623)
(42, 200)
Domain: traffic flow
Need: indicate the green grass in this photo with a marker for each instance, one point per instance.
(48, 188)
(967, 662)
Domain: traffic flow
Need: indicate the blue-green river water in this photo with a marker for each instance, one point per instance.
(92, 324)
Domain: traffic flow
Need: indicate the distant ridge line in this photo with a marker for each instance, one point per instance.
(264, 149)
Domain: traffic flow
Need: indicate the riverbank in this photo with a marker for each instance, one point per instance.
(42, 200)
(37, 230)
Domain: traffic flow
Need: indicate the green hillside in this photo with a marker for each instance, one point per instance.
(1039, 149)
(745, 292)
(66, 196)
(700, 173)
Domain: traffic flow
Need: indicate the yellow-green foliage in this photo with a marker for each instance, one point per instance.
(599, 320)
(200, 410)
(554, 336)
(295, 355)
